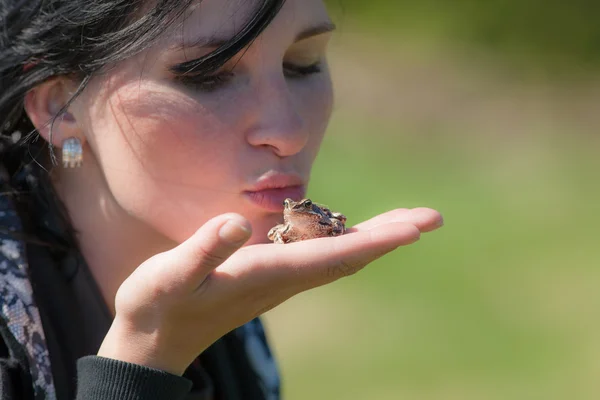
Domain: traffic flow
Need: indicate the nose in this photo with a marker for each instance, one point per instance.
(277, 123)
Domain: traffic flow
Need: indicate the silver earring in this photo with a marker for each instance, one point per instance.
(72, 153)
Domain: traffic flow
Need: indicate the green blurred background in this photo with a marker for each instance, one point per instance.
(488, 111)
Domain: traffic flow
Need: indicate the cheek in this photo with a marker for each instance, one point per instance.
(166, 134)
(316, 105)
(163, 155)
(317, 98)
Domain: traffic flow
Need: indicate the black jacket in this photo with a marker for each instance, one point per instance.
(75, 320)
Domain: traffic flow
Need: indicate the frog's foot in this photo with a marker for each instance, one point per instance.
(276, 234)
(338, 227)
(339, 216)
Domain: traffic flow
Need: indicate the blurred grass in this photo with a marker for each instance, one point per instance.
(560, 35)
(502, 303)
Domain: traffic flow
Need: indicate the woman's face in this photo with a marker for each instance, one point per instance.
(176, 153)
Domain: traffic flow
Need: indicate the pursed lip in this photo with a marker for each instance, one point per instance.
(276, 180)
(271, 189)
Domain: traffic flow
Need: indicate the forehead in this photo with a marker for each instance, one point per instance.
(214, 20)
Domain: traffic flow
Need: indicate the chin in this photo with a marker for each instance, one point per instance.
(257, 239)
(261, 226)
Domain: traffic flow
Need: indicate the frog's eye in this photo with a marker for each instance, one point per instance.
(308, 204)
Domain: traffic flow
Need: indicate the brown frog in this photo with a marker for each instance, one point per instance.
(304, 220)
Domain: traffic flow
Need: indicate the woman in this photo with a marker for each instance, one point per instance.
(182, 126)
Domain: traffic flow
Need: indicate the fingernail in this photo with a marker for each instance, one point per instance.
(234, 232)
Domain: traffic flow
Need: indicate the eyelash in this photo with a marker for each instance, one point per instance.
(296, 71)
(211, 83)
(206, 83)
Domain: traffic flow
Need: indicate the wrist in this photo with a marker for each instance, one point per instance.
(143, 346)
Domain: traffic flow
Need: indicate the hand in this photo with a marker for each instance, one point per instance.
(178, 303)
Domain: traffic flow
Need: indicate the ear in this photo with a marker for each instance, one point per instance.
(43, 103)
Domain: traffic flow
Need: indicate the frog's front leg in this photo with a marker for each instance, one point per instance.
(275, 234)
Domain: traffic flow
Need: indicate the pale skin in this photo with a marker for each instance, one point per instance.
(179, 254)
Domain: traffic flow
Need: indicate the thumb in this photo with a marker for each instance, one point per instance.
(209, 247)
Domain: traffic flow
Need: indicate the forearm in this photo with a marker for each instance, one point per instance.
(132, 364)
(102, 378)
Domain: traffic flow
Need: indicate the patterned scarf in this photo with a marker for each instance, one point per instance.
(17, 305)
(21, 316)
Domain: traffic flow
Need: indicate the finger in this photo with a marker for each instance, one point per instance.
(209, 247)
(312, 263)
(390, 216)
(425, 219)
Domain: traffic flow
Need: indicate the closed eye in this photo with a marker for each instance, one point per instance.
(301, 71)
(206, 83)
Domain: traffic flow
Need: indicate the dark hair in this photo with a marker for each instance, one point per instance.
(40, 39)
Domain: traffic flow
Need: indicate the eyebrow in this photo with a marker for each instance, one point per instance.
(315, 30)
(216, 42)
